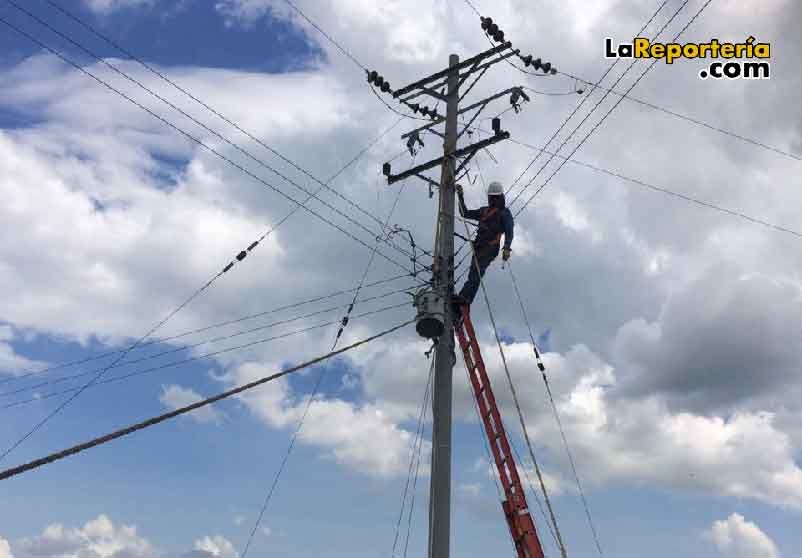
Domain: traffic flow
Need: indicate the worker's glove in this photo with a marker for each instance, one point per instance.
(505, 253)
(459, 190)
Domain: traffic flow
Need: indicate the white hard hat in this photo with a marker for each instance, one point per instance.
(495, 189)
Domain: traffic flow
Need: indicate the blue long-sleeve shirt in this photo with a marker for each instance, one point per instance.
(507, 221)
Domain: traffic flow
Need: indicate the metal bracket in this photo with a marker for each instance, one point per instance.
(470, 149)
(461, 66)
(481, 103)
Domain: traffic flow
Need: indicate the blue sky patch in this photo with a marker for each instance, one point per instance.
(193, 33)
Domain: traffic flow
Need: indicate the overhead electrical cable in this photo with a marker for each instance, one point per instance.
(205, 286)
(709, 205)
(556, 413)
(205, 105)
(14, 471)
(187, 347)
(210, 130)
(115, 379)
(414, 448)
(318, 382)
(582, 101)
(518, 406)
(196, 140)
(598, 103)
(160, 340)
(603, 118)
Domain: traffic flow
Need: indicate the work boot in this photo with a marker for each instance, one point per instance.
(457, 302)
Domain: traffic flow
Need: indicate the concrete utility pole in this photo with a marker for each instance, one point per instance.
(440, 525)
(445, 86)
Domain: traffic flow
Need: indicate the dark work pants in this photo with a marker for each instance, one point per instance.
(484, 254)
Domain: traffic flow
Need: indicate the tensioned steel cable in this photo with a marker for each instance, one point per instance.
(205, 105)
(195, 345)
(413, 447)
(183, 410)
(417, 467)
(655, 188)
(316, 387)
(205, 286)
(215, 133)
(600, 122)
(598, 103)
(547, 500)
(555, 411)
(344, 322)
(159, 340)
(115, 379)
(583, 100)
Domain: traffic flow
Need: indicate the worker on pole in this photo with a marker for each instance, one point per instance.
(495, 220)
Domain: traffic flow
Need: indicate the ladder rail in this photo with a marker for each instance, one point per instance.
(516, 510)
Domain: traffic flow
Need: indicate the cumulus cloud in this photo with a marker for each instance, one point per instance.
(360, 436)
(174, 397)
(108, 6)
(643, 440)
(736, 537)
(213, 547)
(10, 361)
(5, 549)
(664, 362)
(98, 538)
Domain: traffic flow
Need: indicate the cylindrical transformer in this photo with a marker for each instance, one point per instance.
(430, 320)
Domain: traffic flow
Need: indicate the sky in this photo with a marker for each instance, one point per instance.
(669, 329)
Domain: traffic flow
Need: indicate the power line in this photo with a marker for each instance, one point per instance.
(317, 385)
(414, 448)
(225, 119)
(329, 37)
(599, 102)
(556, 415)
(105, 354)
(63, 379)
(116, 379)
(693, 120)
(205, 286)
(599, 123)
(517, 405)
(584, 99)
(344, 321)
(183, 410)
(350, 56)
(238, 148)
(417, 470)
(685, 197)
(197, 141)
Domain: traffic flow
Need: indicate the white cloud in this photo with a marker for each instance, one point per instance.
(360, 436)
(213, 547)
(10, 361)
(735, 537)
(5, 549)
(643, 441)
(98, 538)
(79, 272)
(107, 6)
(174, 397)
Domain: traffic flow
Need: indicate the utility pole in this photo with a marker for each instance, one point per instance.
(435, 320)
(440, 491)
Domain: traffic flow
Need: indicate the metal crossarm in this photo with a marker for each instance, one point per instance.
(415, 171)
(516, 510)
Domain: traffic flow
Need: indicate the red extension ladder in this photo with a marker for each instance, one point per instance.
(519, 520)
